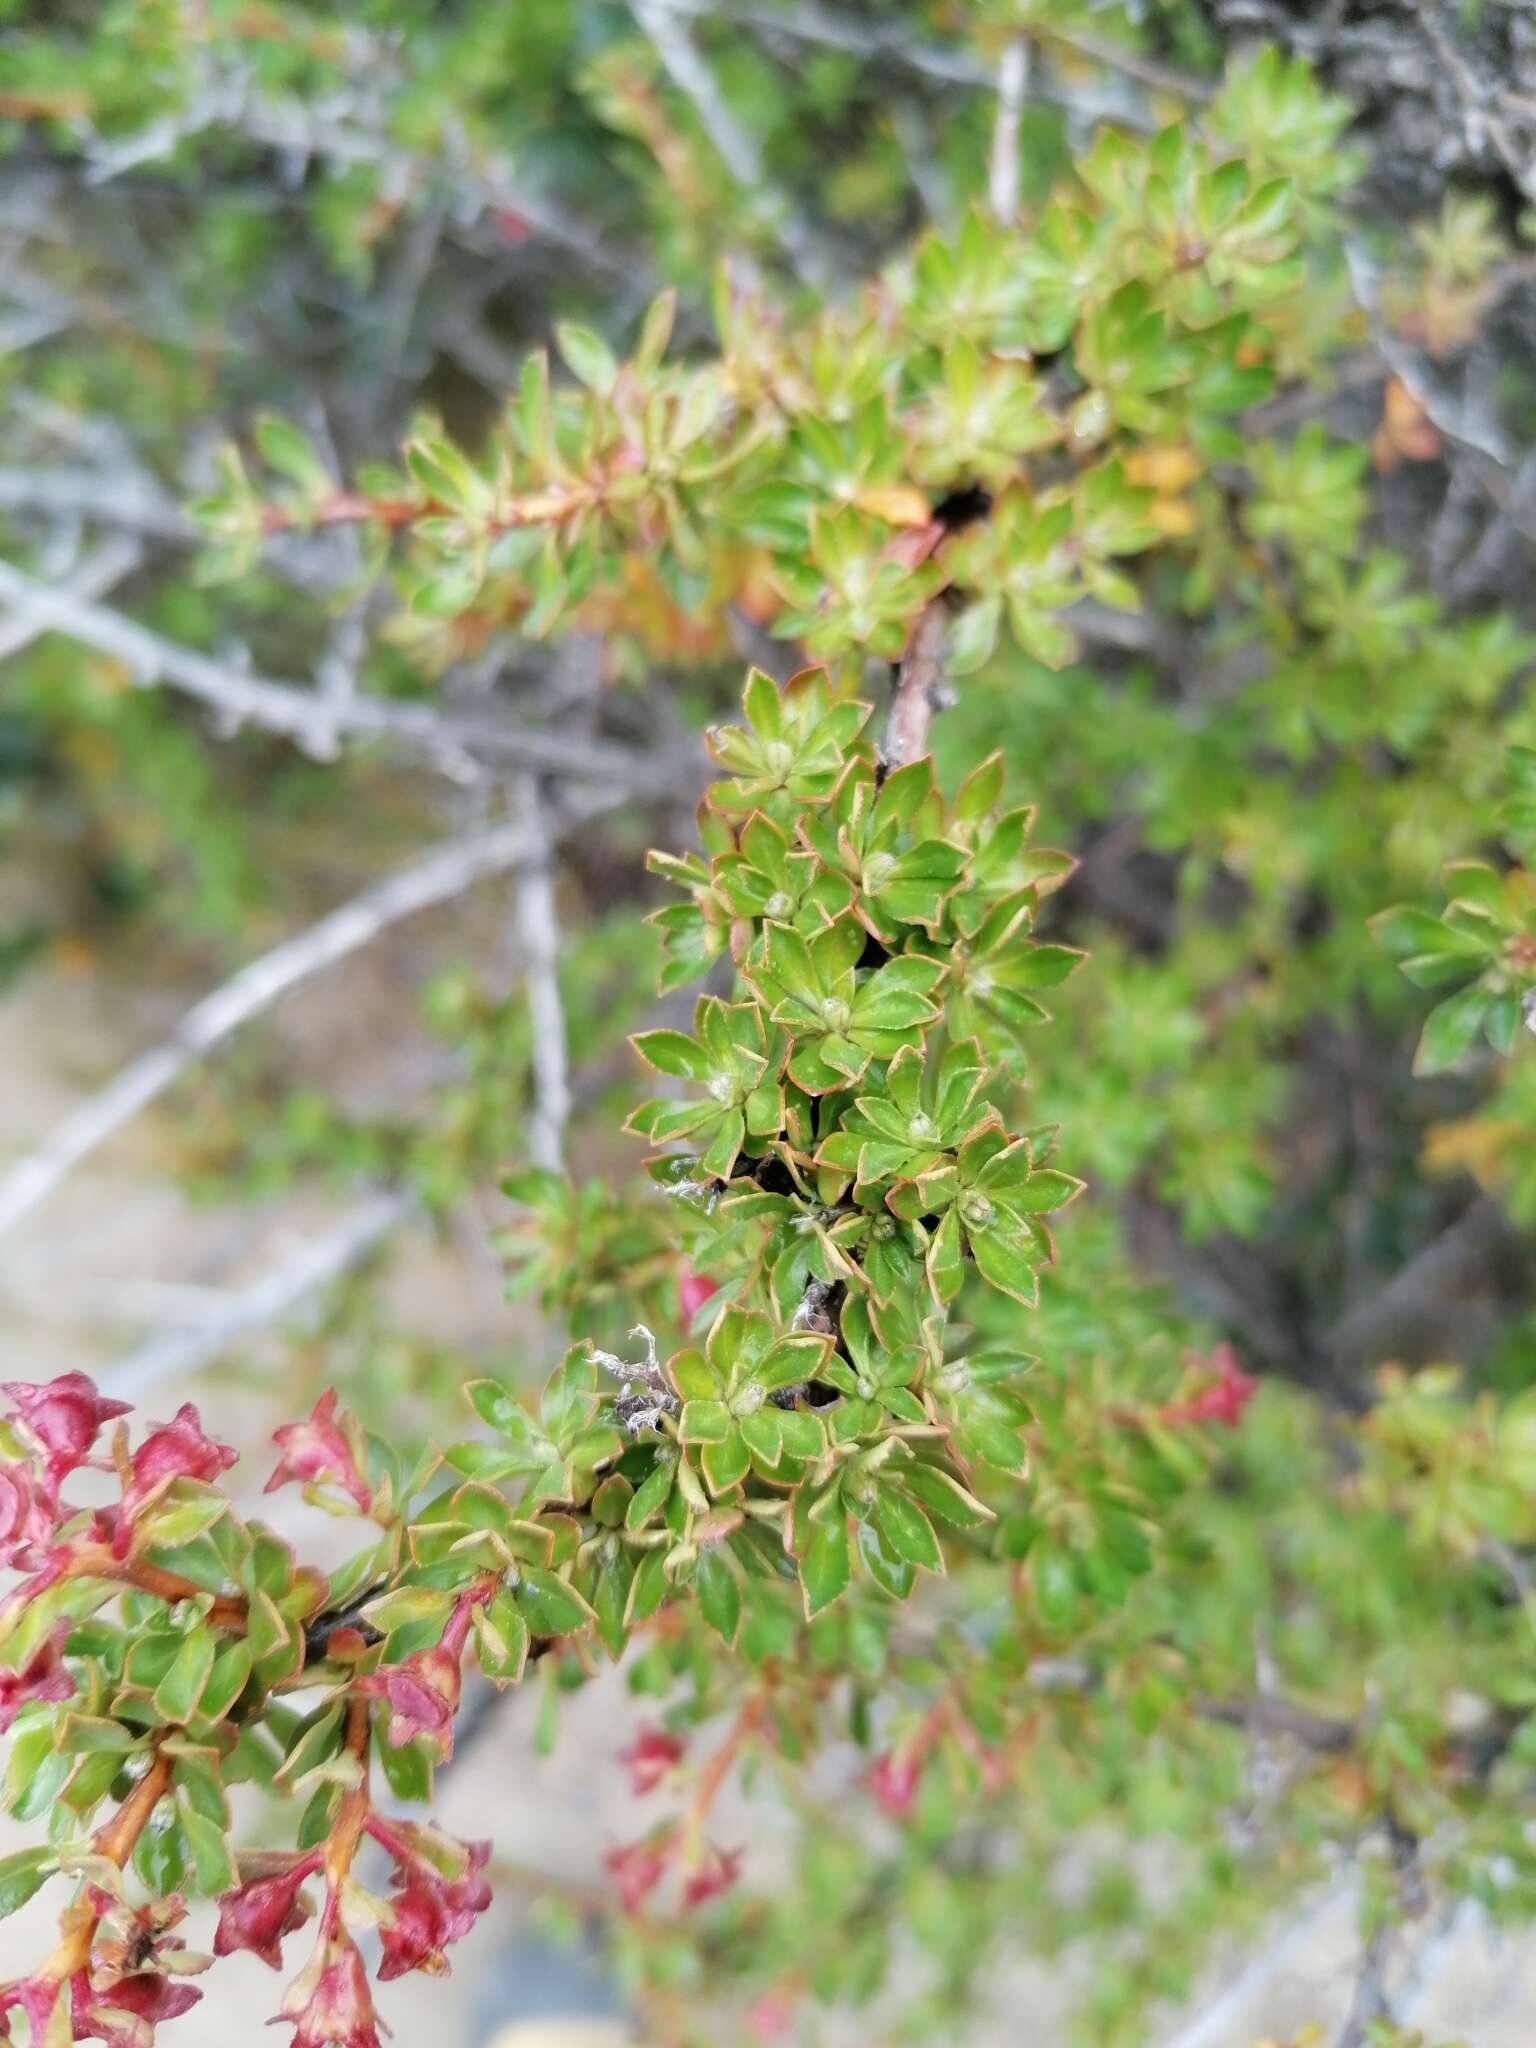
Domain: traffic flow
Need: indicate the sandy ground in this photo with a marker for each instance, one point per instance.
(119, 1250)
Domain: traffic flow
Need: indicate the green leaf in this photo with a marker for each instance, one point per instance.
(588, 356)
(501, 1638)
(1450, 1029)
(550, 1606)
(826, 1566)
(24, 1873)
(719, 1595)
(906, 1531)
(178, 1693)
(212, 1864)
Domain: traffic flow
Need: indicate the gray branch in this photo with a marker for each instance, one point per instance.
(734, 144)
(313, 721)
(1003, 164)
(446, 872)
(539, 937)
(262, 1304)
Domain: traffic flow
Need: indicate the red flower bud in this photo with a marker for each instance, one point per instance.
(62, 1417)
(177, 1449)
(422, 1695)
(1222, 1399)
(650, 1756)
(260, 1912)
(329, 2004)
(26, 1519)
(42, 1677)
(320, 1449)
(715, 1871)
(437, 1893)
(893, 1780)
(693, 1290)
(636, 1869)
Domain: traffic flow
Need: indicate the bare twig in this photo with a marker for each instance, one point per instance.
(266, 1302)
(93, 577)
(919, 690)
(1003, 164)
(446, 872)
(310, 719)
(663, 22)
(126, 498)
(1429, 1277)
(1214, 2025)
(1480, 115)
(1492, 459)
(539, 936)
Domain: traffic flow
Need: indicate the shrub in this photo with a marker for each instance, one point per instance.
(1129, 1548)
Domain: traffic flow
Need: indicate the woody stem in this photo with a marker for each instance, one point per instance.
(116, 1842)
(228, 1609)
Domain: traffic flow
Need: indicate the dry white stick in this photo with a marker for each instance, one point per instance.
(441, 875)
(124, 497)
(93, 577)
(735, 145)
(1003, 165)
(308, 718)
(1217, 2023)
(266, 1302)
(538, 933)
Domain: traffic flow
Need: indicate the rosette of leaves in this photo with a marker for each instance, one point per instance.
(556, 1452)
(736, 1400)
(879, 1507)
(837, 1017)
(990, 1200)
(738, 1060)
(883, 839)
(792, 748)
(1486, 938)
(917, 1119)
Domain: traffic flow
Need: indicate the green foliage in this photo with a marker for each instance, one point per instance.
(885, 1475)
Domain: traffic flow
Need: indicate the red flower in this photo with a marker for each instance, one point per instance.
(650, 1756)
(62, 1417)
(1222, 1399)
(260, 1912)
(714, 1871)
(318, 1449)
(636, 1869)
(423, 1690)
(126, 2012)
(437, 1894)
(42, 1677)
(328, 2004)
(422, 1695)
(771, 2013)
(26, 1519)
(693, 1290)
(893, 1780)
(177, 1449)
(129, 1986)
